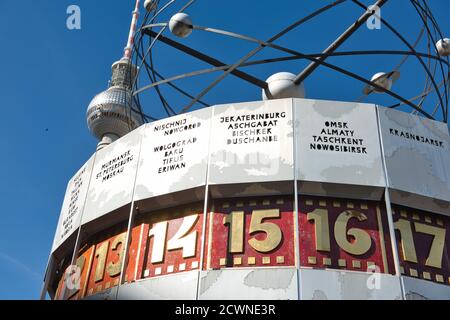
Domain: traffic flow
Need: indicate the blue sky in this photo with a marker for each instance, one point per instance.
(50, 74)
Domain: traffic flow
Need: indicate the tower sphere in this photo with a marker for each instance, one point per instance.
(112, 112)
(281, 85)
(149, 5)
(443, 47)
(181, 25)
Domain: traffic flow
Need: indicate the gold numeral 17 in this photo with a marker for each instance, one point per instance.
(407, 242)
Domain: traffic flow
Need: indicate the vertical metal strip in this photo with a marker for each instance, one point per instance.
(205, 209)
(296, 218)
(383, 243)
(131, 217)
(86, 281)
(203, 242)
(138, 255)
(48, 275)
(77, 241)
(387, 200)
(211, 218)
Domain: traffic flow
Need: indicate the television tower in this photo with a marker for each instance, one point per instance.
(114, 113)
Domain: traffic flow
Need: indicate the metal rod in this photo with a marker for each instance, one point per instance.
(298, 260)
(48, 276)
(337, 43)
(206, 210)
(237, 65)
(272, 60)
(444, 110)
(387, 24)
(127, 244)
(206, 58)
(387, 201)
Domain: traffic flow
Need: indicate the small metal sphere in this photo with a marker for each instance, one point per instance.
(150, 5)
(381, 79)
(110, 113)
(443, 47)
(181, 25)
(281, 85)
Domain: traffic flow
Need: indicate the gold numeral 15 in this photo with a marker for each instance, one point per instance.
(236, 222)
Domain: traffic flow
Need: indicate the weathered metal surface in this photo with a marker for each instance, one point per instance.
(249, 284)
(417, 155)
(113, 176)
(174, 154)
(182, 286)
(416, 289)
(252, 142)
(337, 142)
(73, 205)
(340, 285)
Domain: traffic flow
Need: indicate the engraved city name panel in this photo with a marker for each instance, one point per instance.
(417, 155)
(74, 201)
(337, 143)
(174, 154)
(113, 176)
(252, 142)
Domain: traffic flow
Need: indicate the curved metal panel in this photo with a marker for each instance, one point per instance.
(113, 176)
(417, 156)
(336, 143)
(73, 205)
(174, 154)
(252, 142)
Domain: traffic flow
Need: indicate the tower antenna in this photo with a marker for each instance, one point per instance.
(129, 48)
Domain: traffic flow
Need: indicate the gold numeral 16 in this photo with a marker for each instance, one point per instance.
(236, 222)
(362, 240)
